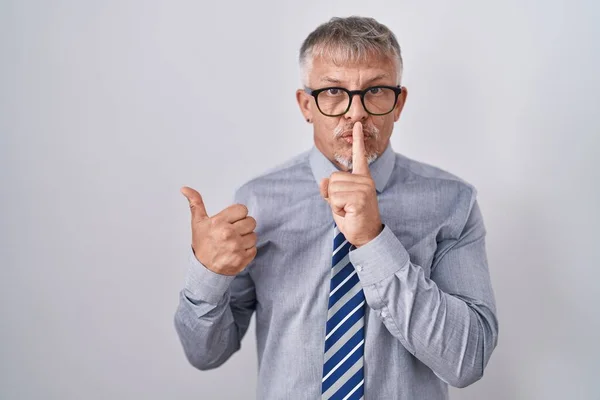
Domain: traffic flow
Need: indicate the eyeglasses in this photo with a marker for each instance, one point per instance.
(336, 101)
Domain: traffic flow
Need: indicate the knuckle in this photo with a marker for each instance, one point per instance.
(334, 176)
(226, 234)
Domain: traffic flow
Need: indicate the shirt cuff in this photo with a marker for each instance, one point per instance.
(202, 284)
(380, 258)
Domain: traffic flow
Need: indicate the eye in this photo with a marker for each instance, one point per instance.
(375, 90)
(334, 92)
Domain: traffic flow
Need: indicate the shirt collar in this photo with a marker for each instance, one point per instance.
(381, 169)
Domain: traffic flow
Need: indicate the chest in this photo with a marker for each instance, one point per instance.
(295, 255)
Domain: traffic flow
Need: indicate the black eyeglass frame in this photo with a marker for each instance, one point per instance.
(351, 93)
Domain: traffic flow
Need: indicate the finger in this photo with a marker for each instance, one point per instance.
(196, 204)
(337, 208)
(359, 157)
(251, 253)
(348, 177)
(348, 186)
(324, 188)
(249, 240)
(245, 226)
(347, 202)
(233, 213)
(339, 202)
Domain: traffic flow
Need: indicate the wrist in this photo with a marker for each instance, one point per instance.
(372, 236)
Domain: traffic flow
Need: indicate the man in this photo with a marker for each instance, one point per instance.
(367, 270)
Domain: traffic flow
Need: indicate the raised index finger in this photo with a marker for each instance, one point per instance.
(360, 165)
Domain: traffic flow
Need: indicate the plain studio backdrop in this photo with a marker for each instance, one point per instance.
(108, 108)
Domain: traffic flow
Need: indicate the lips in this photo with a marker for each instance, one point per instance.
(349, 134)
(349, 139)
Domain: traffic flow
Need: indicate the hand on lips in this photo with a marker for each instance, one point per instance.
(352, 196)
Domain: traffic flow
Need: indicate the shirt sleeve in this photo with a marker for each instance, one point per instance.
(448, 320)
(213, 314)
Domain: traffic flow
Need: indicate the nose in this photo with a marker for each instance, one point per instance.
(356, 112)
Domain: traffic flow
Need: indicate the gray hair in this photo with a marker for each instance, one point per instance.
(351, 39)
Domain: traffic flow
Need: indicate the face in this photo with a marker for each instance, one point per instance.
(333, 135)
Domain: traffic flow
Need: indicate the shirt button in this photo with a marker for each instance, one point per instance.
(383, 314)
(359, 268)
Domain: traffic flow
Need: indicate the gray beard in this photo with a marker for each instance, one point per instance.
(347, 163)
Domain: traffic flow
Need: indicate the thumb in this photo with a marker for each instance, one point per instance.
(196, 203)
(324, 188)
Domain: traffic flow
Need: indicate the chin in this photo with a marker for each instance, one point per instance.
(346, 161)
(343, 152)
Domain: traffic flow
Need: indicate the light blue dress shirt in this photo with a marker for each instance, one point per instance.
(431, 315)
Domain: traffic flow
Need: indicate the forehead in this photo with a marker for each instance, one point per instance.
(354, 73)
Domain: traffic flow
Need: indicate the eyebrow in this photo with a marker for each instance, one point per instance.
(330, 79)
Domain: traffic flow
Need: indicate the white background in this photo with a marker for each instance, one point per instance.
(108, 108)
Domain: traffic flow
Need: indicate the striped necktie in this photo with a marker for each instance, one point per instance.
(343, 374)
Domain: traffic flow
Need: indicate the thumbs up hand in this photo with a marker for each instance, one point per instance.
(352, 196)
(224, 243)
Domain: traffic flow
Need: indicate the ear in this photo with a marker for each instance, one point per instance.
(305, 104)
(400, 104)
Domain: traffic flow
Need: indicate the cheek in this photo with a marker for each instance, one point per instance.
(380, 123)
(325, 127)
(385, 126)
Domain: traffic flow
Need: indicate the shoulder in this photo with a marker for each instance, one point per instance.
(275, 179)
(431, 188)
(414, 171)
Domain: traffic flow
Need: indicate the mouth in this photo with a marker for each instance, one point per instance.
(347, 137)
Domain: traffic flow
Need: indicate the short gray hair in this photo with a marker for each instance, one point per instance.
(351, 39)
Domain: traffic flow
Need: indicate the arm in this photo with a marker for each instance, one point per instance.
(213, 314)
(218, 299)
(447, 321)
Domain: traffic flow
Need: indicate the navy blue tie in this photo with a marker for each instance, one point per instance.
(343, 369)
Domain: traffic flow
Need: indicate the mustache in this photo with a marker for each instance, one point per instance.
(368, 129)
